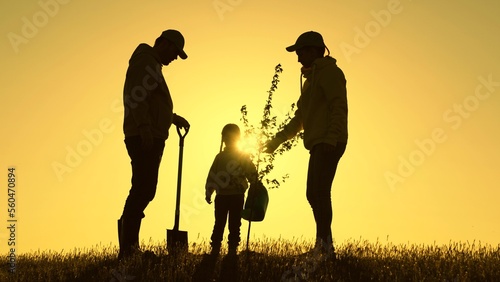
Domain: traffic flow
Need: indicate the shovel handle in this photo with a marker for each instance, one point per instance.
(179, 175)
(182, 135)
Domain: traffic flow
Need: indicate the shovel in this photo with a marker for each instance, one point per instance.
(177, 241)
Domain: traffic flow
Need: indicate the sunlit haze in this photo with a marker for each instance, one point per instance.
(423, 82)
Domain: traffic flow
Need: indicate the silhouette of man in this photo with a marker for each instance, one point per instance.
(148, 117)
(322, 114)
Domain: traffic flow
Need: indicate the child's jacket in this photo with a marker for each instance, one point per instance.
(230, 173)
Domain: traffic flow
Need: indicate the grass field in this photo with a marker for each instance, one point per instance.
(268, 260)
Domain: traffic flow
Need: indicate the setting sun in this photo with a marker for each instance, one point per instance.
(250, 144)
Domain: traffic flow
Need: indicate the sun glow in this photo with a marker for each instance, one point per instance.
(250, 144)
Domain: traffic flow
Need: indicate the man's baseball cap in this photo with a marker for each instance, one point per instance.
(309, 38)
(177, 39)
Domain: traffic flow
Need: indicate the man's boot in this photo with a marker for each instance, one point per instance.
(120, 232)
(129, 236)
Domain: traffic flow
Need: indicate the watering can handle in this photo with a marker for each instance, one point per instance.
(182, 135)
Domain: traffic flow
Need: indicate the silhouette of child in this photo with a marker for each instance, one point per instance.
(228, 177)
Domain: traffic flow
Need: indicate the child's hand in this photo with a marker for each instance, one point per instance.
(208, 199)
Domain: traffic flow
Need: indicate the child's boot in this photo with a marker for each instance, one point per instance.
(232, 249)
(215, 250)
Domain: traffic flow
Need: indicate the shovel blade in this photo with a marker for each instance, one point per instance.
(177, 241)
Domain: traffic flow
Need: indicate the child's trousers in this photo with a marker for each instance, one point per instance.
(224, 205)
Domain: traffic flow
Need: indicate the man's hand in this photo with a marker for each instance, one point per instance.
(208, 199)
(146, 137)
(180, 122)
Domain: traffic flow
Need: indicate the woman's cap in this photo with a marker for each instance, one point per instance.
(309, 38)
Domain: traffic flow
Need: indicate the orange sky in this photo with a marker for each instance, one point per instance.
(423, 84)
